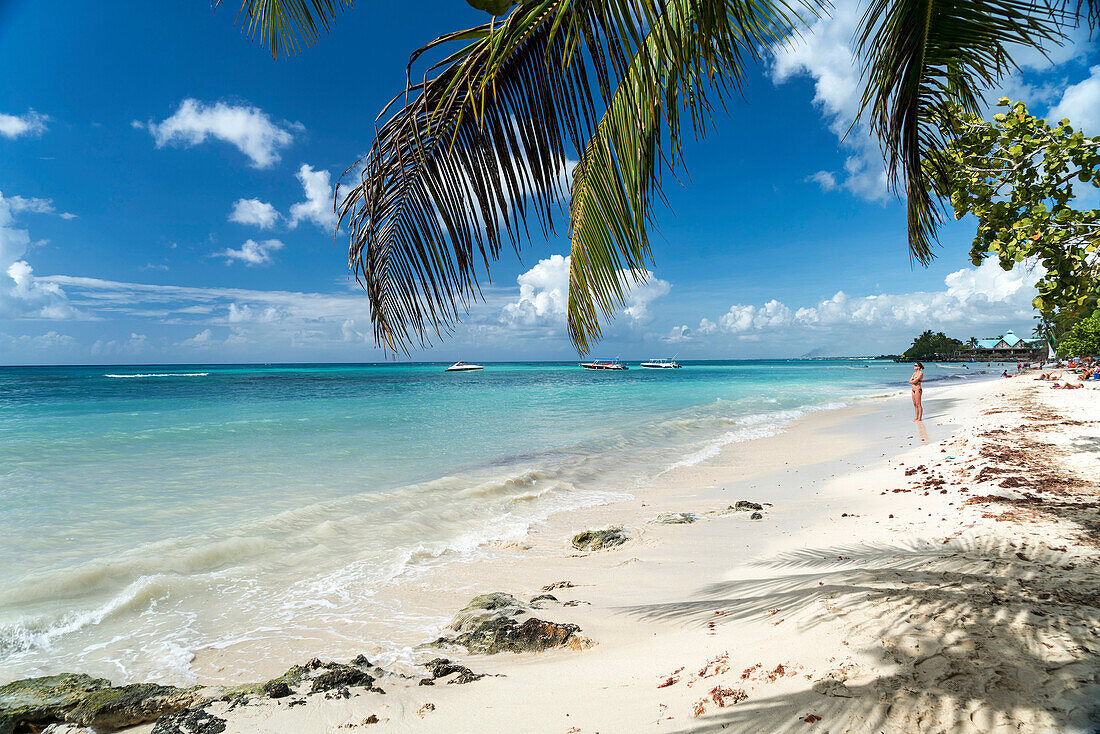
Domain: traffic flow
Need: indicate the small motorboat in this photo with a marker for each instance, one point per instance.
(661, 364)
(464, 367)
(604, 364)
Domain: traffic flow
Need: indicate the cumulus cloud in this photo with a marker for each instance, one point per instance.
(986, 294)
(350, 333)
(252, 252)
(544, 294)
(678, 334)
(34, 205)
(243, 313)
(135, 345)
(824, 179)
(827, 54)
(254, 212)
(1081, 104)
(26, 345)
(317, 207)
(203, 339)
(29, 123)
(22, 295)
(248, 129)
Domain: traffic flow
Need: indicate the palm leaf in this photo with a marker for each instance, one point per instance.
(287, 25)
(920, 55)
(478, 148)
(697, 47)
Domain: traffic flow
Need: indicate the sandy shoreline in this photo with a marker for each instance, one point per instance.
(880, 591)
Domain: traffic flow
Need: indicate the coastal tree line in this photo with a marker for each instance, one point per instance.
(472, 151)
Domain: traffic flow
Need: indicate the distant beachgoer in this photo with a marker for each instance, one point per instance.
(1005, 374)
(918, 389)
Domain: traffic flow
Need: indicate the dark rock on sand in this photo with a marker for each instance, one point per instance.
(115, 708)
(540, 601)
(756, 516)
(746, 505)
(559, 585)
(488, 625)
(276, 689)
(189, 721)
(591, 540)
(338, 676)
(40, 701)
(676, 518)
(86, 701)
(442, 667)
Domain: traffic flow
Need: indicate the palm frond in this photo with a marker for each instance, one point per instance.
(287, 25)
(921, 54)
(696, 47)
(478, 149)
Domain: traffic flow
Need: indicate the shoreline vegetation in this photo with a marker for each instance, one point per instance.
(937, 577)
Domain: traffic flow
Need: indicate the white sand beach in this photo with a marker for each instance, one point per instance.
(935, 578)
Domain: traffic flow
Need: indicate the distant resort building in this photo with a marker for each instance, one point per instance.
(1005, 348)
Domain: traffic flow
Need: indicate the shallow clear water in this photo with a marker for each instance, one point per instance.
(147, 512)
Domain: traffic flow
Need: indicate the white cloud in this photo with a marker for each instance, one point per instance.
(706, 326)
(318, 206)
(22, 295)
(1081, 104)
(203, 339)
(678, 334)
(239, 314)
(973, 296)
(31, 204)
(135, 345)
(824, 179)
(641, 295)
(254, 212)
(350, 333)
(544, 295)
(34, 205)
(543, 292)
(827, 54)
(248, 129)
(26, 345)
(252, 252)
(30, 123)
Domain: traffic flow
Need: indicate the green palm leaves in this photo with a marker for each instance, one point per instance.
(923, 54)
(481, 146)
(285, 25)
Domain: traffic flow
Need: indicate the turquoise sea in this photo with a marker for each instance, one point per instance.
(147, 513)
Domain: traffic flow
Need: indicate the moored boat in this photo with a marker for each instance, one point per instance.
(661, 364)
(604, 364)
(464, 367)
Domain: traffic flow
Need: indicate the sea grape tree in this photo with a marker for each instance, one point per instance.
(1022, 177)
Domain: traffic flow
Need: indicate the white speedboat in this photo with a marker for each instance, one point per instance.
(464, 367)
(661, 364)
(604, 364)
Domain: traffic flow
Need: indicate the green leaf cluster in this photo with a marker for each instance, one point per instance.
(930, 344)
(1020, 175)
(1082, 339)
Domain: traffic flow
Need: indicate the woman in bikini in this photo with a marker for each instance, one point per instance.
(918, 389)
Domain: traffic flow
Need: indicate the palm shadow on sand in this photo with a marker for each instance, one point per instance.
(979, 636)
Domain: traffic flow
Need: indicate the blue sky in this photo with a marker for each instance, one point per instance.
(166, 187)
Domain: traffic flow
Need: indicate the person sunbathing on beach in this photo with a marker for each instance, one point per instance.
(918, 390)
(1065, 386)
